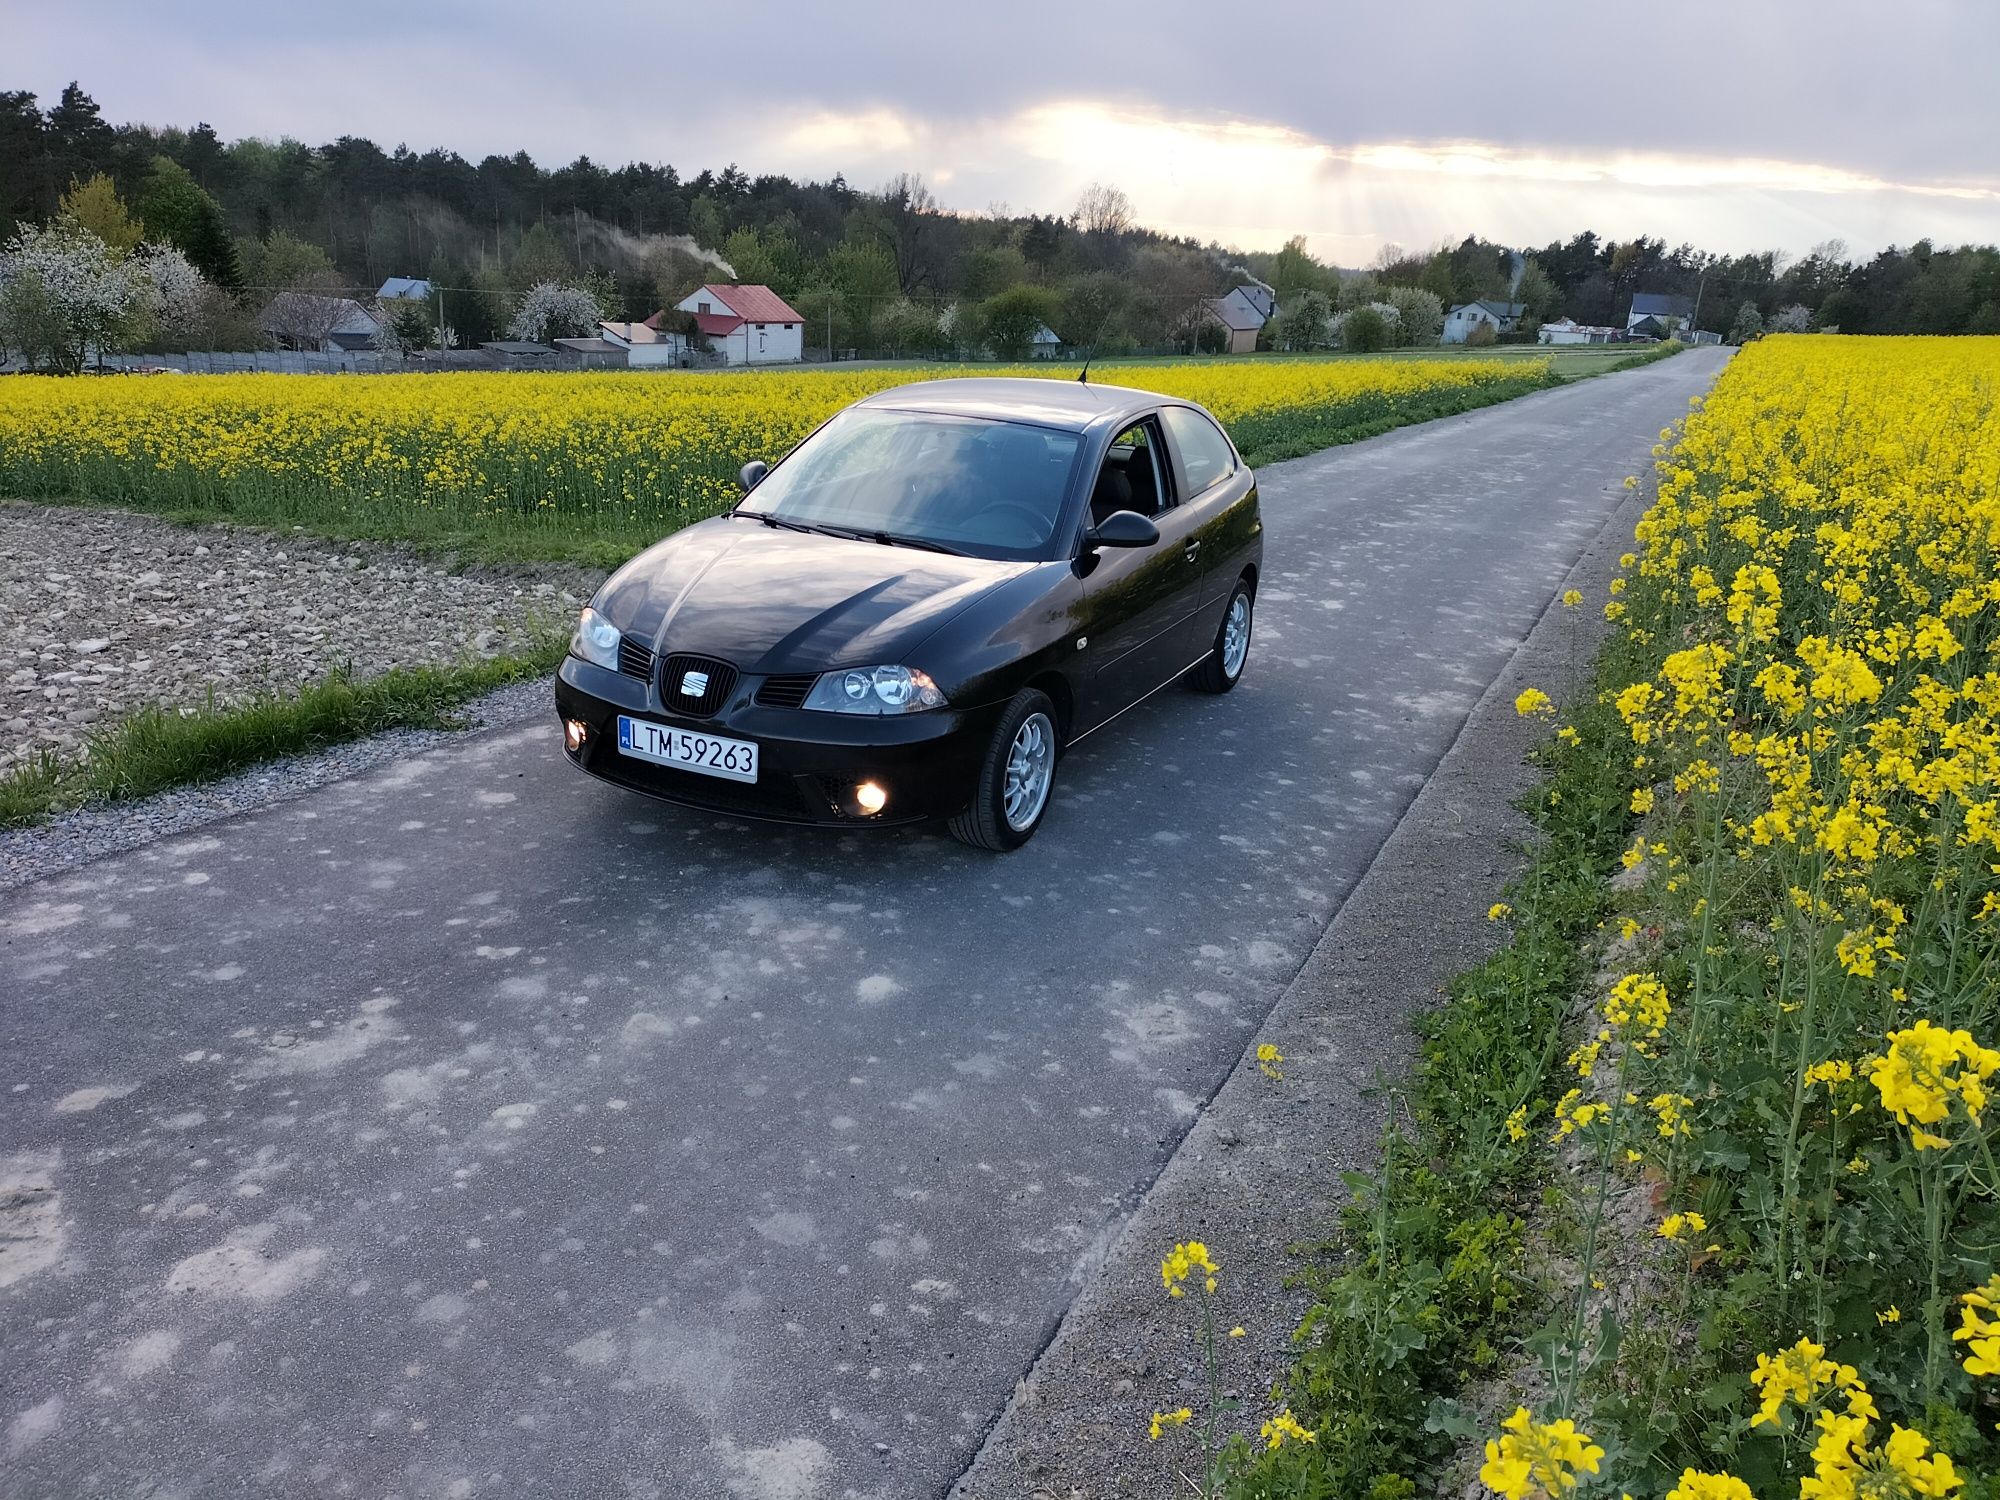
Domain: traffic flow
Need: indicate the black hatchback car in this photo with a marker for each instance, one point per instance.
(913, 614)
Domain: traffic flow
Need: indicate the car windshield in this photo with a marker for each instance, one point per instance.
(966, 484)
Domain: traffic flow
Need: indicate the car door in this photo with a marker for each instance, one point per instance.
(1139, 602)
(1219, 504)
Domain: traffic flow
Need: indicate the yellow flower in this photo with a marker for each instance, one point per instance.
(1642, 800)
(1498, 910)
(1889, 1314)
(1924, 1070)
(1533, 701)
(1162, 1420)
(1800, 1375)
(1268, 1058)
(1638, 1003)
(1572, 598)
(1285, 1426)
(1236, 1332)
(1674, 1225)
(1537, 1458)
(1572, 1116)
(1978, 1330)
(1182, 1262)
(1517, 1124)
(1695, 1485)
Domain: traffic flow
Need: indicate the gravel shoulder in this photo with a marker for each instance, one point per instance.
(103, 612)
(1258, 1176)
(73, 839)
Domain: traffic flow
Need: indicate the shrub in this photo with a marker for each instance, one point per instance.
(1364, 330)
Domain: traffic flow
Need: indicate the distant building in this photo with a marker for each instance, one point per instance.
(404, 289)
(1654, 315)
(1569, 331)
(590, 354)
(519, 353)
(645, 345)
(747, 324)
(1046, 344)
(1242, 313)
(318, 324)
(1501, 317)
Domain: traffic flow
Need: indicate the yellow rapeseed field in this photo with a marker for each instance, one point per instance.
(611, 454)
(1807, 695)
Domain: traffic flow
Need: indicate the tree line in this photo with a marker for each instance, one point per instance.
(882, 270)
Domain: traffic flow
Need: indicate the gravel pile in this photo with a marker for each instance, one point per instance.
(103, 612)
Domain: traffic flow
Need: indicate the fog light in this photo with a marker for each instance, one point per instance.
(870, 798)
(574, 733)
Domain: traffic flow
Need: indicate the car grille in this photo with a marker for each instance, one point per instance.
(787, 690)
(635, 659)
(773, 796)
(712, 680)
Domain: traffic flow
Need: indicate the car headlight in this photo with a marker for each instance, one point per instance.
(595, 640)
(874, 690)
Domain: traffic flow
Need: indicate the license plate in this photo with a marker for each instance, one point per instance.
(687, 749)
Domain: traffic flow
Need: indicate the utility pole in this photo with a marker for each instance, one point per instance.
(1694, 322)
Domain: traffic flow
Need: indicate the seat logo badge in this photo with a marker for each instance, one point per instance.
(694, 684)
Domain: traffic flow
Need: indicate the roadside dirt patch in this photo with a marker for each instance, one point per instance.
(102, 612)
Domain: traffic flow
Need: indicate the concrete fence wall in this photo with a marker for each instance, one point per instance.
(288, 363)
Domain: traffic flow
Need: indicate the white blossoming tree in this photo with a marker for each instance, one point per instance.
(551, 310)
(175, 293)
(64, 294)
(1793, 319)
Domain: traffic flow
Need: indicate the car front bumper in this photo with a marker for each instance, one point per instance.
(809, 762)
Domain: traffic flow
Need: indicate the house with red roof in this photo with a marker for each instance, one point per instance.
(747, 325)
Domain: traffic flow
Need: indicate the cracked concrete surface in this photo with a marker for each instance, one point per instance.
(469, 1128)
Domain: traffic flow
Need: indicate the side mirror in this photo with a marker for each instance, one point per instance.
(752, 474)
(1122, 528)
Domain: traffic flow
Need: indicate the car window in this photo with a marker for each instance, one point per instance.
(1133, 476)
(992, 488)
(1204, 452)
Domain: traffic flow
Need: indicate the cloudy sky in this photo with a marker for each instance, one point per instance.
(1737, 124)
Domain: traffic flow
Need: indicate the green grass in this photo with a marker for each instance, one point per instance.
(157, 748)
(1294, 438)
(1430, 1281)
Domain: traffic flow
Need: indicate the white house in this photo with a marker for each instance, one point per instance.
(1501, 317)
(1569, 331)
(1046, 344)
(1656, 315)
(747, 325)
(645, 345)
(404, 289)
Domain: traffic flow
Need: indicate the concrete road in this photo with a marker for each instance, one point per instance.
(470, 1128)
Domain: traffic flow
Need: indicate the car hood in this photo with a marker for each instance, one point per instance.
(772, 600)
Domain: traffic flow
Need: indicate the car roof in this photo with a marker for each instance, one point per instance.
(1047, 403)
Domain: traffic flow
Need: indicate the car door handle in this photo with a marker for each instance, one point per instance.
(1192, 550)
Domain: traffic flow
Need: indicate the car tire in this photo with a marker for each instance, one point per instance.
(1222, 668)
(1016, 777)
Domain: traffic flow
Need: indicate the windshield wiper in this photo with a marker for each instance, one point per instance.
(778, 521)
(892, 539)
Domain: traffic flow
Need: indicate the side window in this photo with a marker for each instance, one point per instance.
(1204, 452)
(1132, 477)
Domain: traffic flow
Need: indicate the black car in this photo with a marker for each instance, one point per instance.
(920, 607)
